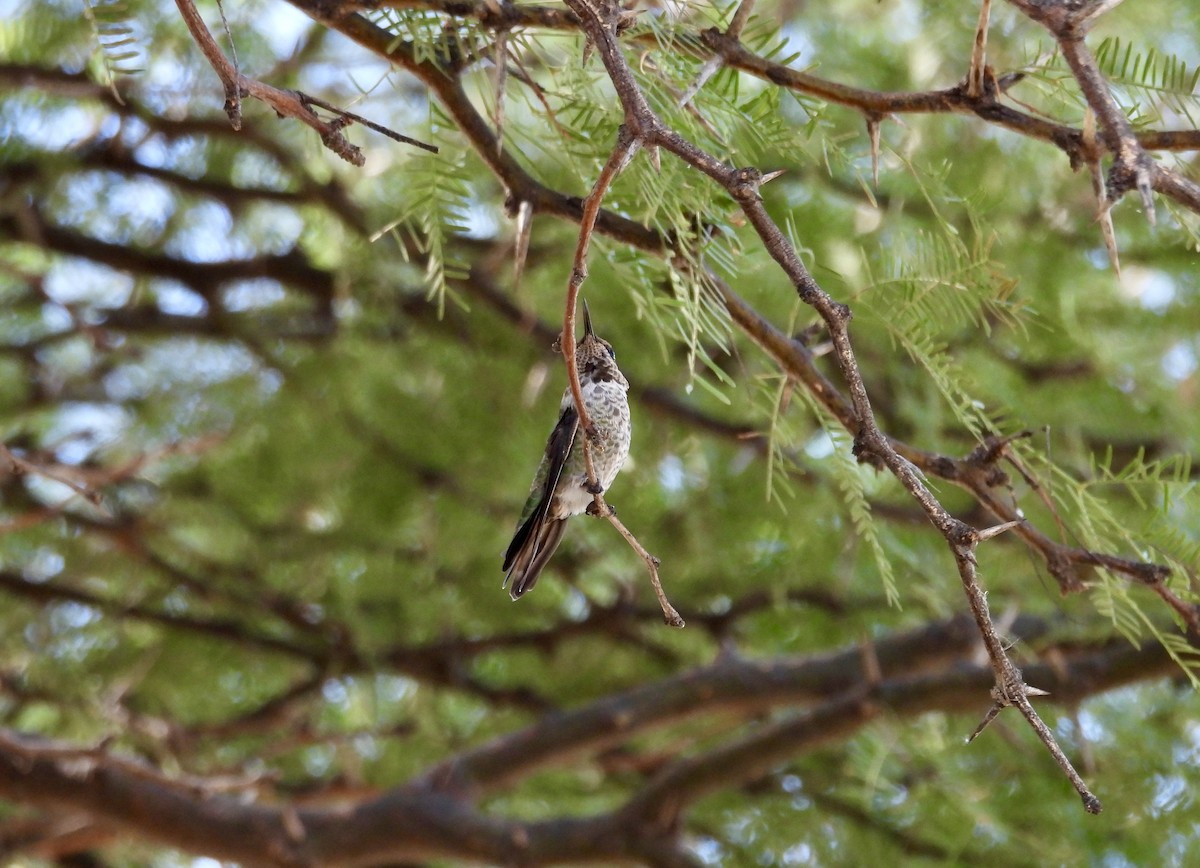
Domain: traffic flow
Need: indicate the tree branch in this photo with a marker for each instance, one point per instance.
(286, 103)
(623, 151)
(415, 822)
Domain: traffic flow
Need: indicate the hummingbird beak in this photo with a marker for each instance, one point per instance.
(588, 331)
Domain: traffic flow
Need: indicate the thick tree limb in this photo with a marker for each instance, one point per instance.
(415, 822)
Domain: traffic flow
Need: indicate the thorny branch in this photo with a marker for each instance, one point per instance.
(287, 103)
(1133, 168)
(1060, 559)
(732, 53)
(599, 20)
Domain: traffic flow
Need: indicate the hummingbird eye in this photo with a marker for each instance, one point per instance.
(612, 354)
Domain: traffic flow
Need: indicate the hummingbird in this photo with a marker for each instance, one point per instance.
(560, 487)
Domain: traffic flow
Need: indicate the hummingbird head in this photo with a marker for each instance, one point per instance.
(594, 356)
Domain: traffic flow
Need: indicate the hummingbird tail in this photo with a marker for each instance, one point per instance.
(531, 548)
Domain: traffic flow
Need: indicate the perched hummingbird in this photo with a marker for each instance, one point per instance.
(560, 487)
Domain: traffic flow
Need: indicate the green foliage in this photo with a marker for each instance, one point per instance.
(433, 212)
(116, 41)
(1163, 80)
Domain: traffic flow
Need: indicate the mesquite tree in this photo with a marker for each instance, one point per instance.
(908, 295)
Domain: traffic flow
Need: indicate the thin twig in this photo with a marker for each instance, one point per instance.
(233, 97)
(21, 465)
(671, 617)
(1133, 168)
(1011, 688)
(287, 103)
(371, 125)
(1091, 804)
(623, 151)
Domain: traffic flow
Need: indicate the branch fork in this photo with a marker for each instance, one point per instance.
(1069, 21)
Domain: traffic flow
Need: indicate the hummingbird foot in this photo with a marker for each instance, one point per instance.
(593, 488)
(595, 511)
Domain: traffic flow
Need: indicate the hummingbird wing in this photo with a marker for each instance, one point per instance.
(533, 557)
(538, 534)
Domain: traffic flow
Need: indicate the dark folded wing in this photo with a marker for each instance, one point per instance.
(558, 447)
